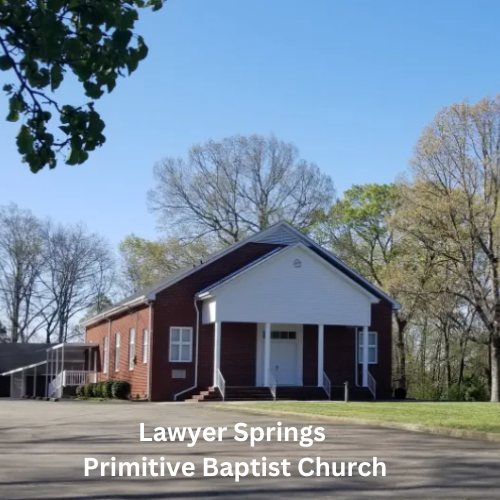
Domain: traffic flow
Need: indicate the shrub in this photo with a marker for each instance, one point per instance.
(87, 390)
(120, 389)
(472, 389)
(79, 391)
(400, 393)
(106, 389)
(97, 390)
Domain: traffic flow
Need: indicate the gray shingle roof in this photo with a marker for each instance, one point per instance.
(16, 355)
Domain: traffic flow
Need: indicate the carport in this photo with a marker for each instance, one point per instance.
(28, 380)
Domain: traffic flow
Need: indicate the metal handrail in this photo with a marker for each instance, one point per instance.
(220, 383)
(327, 385)
(372, 385)
(273, 385)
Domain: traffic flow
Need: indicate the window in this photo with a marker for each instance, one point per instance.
(131, 348)
(372, 348)
(105, 359)
(145, 345)
(117, 351)
(181, 340)
(281, 335)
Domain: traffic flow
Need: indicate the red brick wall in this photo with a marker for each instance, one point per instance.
(310, 355)
(138, 319)
(206, 356)
(174, 307)
(382, 371)
(239, 353)
(340, 352)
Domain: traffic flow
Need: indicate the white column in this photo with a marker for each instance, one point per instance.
(23, 384)
(365, 356)
(62, 365)
(57, 361)
(267, 354)
(47, 373)
(321, 354)
(217, 343)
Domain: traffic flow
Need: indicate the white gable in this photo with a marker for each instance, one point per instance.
(293, 286)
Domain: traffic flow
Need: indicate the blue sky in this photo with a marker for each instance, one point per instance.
(350, 82)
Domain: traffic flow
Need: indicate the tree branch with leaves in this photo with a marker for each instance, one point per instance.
(41, 43)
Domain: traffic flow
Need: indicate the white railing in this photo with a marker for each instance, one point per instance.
(372, 385)
(273, 385)
(54, 385)
(220, 383)
(327, 385)
(72, 378)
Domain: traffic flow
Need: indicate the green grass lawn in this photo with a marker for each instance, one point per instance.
(470, 416)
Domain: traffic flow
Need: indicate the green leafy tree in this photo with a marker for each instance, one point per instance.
(144, 262)
(357, 229)
(41, 42)
(101, 302)
(452, 207)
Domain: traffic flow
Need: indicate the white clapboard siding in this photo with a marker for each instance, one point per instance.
(294, 286)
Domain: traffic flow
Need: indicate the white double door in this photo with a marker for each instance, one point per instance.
(286, 354)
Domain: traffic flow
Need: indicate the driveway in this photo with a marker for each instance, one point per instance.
(43, 446)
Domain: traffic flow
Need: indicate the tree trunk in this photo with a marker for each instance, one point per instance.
(447, 355)
(463, 348)
(495, 368)
(401, 354)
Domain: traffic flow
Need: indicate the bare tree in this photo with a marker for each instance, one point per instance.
(3, 333)
(237, 186)
(80, 270)
(21, 265)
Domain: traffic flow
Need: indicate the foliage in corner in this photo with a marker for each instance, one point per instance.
(40, 44)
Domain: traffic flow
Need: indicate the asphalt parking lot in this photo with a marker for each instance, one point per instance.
(43, 446)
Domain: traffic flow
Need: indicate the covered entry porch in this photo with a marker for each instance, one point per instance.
(300, 361)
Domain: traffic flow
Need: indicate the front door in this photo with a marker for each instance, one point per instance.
(284, 357)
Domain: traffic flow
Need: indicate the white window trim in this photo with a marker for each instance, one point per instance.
(360, 346)
(180, 343)
(145, 346)
(117, 351)
(130, 344)
(105, 355)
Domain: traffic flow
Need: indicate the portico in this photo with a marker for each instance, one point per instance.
(289, 296)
